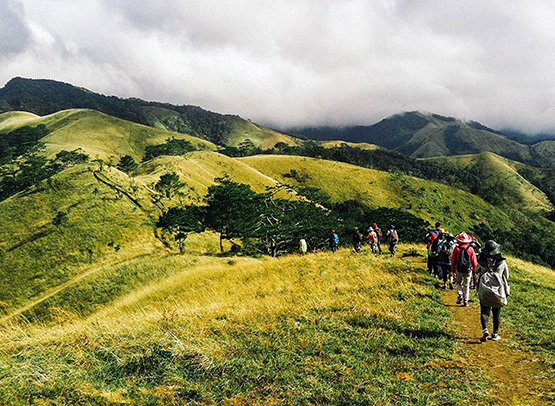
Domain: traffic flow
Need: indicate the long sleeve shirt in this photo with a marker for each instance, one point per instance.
(457, 253)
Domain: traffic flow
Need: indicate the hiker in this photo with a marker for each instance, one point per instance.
(433, 252)
(445, 251)
(303, 246)
(392, 239)
(372, 238)
(463, 263)
(334, 241)
(493, 287)
(379, 235)
(429, 239)
(357, 239)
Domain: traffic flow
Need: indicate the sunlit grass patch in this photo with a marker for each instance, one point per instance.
(318, 329)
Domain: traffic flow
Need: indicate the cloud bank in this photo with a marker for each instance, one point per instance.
(298, 62)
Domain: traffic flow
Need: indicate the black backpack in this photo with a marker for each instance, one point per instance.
(434, 247)
(465, 264)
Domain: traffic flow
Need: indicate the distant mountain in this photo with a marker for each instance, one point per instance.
(43, 97)
(422, 135)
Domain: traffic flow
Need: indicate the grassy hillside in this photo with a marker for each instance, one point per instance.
(45, 97)
(316, 329)
(97, 134)
(65, 225)
(456, 209)
(319, 329)
(501, 181)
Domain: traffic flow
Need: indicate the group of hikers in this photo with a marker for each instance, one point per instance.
(374, 235)
(462, 260)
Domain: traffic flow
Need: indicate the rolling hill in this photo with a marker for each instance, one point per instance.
(97, 307)
(99, 135)
(45, 97)
(421, 135)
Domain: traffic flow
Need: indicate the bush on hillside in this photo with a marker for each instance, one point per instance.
(171, 147)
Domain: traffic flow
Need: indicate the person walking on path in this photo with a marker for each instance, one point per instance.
(392, 240)
(463, 263)
(493, 287)
(334, 241)
(372, 239)
(379, 236)
(430, 238)
(357, 240)
(303, 246)
(445, 252)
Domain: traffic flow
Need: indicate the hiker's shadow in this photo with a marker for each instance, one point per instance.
(469, 340)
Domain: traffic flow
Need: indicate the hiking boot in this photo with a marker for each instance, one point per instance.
(444, 286)
(495, 337)
(484, 336)
(466, 304)
(459, 299)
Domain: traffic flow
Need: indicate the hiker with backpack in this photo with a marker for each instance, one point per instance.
(433, 252)
(357, 240)
(379, 236)
(392, 239)
(372, 238)
(445, 251)
(493, 287)
(334, 241)
(463, 263)
(429, 239)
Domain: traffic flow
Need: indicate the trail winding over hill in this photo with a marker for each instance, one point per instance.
(520, 377)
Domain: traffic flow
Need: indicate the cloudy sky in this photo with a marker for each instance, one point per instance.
(298, 62)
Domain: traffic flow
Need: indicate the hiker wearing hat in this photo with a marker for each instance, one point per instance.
(463, 263)
(493, 287)
(372, 238)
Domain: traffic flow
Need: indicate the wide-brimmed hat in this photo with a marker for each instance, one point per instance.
(491, 248)
(463, 238)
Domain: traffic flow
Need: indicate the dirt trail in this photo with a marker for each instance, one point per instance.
(520, 377)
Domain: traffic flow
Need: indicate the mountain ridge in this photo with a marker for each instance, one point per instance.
(426, 135)
(45, 96)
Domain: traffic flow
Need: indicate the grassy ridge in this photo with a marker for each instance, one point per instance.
(97, 134)
(455, 209)
(501, 175)
(339, 329)
(99, 226)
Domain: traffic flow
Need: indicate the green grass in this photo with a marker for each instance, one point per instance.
(320, 329)
(530, 309)
(456, 210)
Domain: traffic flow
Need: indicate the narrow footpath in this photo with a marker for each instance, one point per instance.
(520, 377)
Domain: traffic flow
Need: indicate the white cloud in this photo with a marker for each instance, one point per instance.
(298, 62)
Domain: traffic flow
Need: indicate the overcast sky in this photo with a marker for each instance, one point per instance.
(298, 62)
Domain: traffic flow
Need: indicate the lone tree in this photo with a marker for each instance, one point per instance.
(232, 209)
(127, 164)
(169, 184)
(180, 222)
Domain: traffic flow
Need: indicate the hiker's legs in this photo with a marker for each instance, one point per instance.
(496, 312)
(463, 285)
(466, 286)
(484, 316)
(379, 247)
